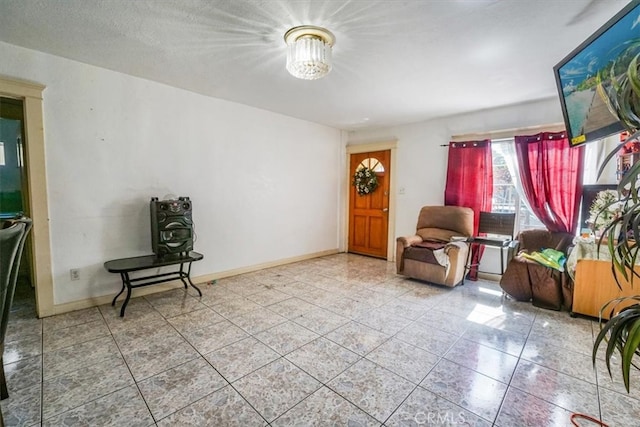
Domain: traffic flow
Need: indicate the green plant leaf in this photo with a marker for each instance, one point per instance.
(621, 94)
(615, 330)
(632, 74)
(610, 156)
(608, 101)
(628, 177)
(630, 347)
(604, 329)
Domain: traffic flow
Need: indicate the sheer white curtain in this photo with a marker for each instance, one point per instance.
(594, 155)
(507, 148)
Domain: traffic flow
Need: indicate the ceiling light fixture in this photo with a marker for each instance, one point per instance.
(309, 51)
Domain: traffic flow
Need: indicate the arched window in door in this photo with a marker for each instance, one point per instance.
(371, 163)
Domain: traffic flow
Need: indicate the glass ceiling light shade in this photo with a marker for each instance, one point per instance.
(309, 51)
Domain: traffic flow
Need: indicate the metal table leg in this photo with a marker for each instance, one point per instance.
(188, 276)
(121, 290)
(127, 281)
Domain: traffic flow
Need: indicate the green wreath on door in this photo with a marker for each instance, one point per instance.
(365, 180)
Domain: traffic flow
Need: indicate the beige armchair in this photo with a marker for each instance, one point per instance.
(434, 254)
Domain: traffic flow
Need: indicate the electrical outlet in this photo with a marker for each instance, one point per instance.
(74, 273)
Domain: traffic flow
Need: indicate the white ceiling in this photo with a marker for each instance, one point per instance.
(395, 61)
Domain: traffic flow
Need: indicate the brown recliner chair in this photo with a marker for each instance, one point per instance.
(431, 254)
(527, 280)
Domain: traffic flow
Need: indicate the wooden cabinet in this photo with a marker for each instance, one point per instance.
(595, 285)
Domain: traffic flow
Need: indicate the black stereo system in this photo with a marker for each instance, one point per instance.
(171, 226)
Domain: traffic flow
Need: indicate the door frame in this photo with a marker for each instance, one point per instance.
(391, 217)
(31, 95)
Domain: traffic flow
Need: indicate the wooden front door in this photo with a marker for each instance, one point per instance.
(369, 214)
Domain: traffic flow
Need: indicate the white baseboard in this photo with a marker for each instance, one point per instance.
(175, 284)
(270, 264)
(492, 277)
(106, 299)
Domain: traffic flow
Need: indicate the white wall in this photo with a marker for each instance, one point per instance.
(422, 162)
(264, 186)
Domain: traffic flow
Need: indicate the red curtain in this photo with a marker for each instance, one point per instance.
(470, 183)
(551, 173)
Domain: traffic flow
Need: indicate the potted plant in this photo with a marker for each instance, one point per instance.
(622, 233)
(604, 208)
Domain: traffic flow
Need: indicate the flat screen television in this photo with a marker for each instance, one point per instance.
(586, 114)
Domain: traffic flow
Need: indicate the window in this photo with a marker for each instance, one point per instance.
(371, 163)
(505, 194)
(2, 161)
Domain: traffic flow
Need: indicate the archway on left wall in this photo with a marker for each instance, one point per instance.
(31, 95)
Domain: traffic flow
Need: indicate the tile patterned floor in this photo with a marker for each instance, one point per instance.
(338, 340)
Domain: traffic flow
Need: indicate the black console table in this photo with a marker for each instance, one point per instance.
(124, 266)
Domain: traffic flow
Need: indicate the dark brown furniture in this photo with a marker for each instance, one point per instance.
(126, 266)
(527, 280)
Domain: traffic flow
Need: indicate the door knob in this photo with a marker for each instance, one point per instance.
(385, 209)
